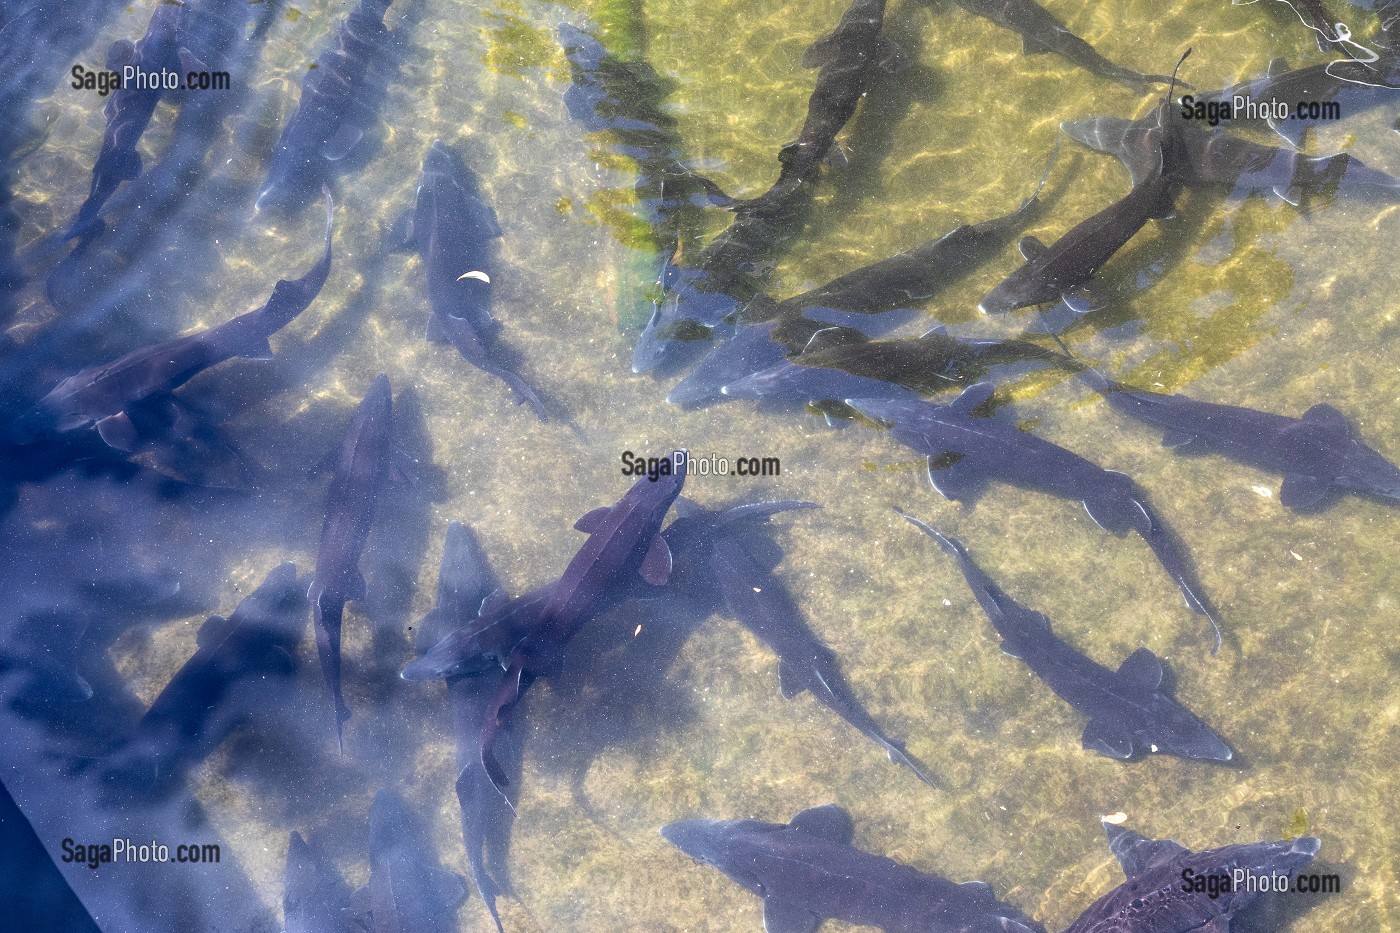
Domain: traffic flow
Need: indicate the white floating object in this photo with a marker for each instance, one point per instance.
(1264, 491)
(480, 276)
(1117, 819)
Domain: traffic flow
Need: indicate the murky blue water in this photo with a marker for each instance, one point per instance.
(1252, 302)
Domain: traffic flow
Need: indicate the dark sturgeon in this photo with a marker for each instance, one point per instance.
(361, 464)
(763, 606)
(315, 898)
(336, 107)
(1041, 32)
(465, 581)
(130, 107)
(965, 452)
(624, 542)
(407, 890)
(1129, 712)
(700, 296)
(101, 395)
(1155, 897)
(1054, 272)
(845, 58)
(807, 872)
(928, 363)
(1215, 158)
(454, 231)
(197, 709)
(1317, 453)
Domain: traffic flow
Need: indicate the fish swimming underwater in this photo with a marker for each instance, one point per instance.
(1064, 269)
(338, 97)
(315, 897)
(100, 395)
(808, 872)
(1159, 896)
(1041, 32)
(197, 709)
(1215, 158)
(1318, 453)
(130, 108)
(1129, 712)
(407, 890)
(360, 466)
(624, 543)
(454, 231)
(965, 452)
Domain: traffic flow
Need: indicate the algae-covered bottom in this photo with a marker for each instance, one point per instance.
(1255, 303)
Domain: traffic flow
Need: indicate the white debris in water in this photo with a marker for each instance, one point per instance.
(1264, 491)
(1117, 819)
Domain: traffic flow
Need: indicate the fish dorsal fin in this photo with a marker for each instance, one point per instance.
(436, 332)
(1031, 46)
(1142, 669)
(972, 397)
(830, 822)
(451, 890)
(1138, 854)
(938, 330)
(1328, 418)
(977, 889)
(785, 916)
(1108, 737)
(656, 566)
(1031, 247)
(1303, 492)
(1177, 437)
(790, 682)
(215, 629)
(118, 432)
(593, 520)
(344, 140)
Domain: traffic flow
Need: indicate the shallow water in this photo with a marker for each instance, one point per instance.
(1253, 303)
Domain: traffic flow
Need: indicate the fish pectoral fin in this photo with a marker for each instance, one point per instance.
(357, 589)
(1303, 492)
(1085, 298)
(826, 822)
(790, 679)
(189, 62)
(214, 630)
(830, 337)
(1030, 46)
(120, 53)
(1108, 738)
(955, 479)
(593, 519)
(781, 916)
(403, 468)
(1139, 855)
(1292, 194)
(973, 397)
(358, 914)
(118, 432)
(1328, 418)
(890, 58)
(450, 887)
(402, 237)
(493, 603)
(820, 52)
(257, 349)
(656, 565)
(1142, 669)
(1031, 247)
(344, 140)
(1107, 518)
(1010, 650)
(436, 333)
(1177, 438)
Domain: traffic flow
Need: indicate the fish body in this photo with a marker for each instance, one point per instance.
(807, 872)
(1129, 712)
(1157, 898)
(334, 111)
(360, 467)
(967, 451)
